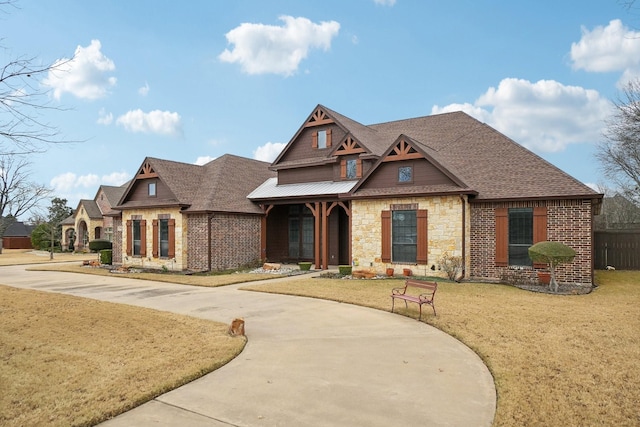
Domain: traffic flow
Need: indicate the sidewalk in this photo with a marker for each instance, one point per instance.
(308, 362)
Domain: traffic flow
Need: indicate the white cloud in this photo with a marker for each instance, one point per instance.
(104, 118)
(269, 151)
(84, 76)
(385, 2)
(542, 116)
(203, 160)
(144, 90)
(611, 48)
(73, 187)
(261, 48)
(156, 121)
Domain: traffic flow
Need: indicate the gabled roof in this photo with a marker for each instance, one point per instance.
(489, 162)
(180, 178)
(221, 185)
(91, 207)
(478, 158)
(113, 194)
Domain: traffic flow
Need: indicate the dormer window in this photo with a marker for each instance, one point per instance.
(352, 170)
(152, 189)
(322, 139)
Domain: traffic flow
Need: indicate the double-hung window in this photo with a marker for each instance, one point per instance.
(404, 234)
(164, 237)
(520, 236)
(517, 229)
(136, 236)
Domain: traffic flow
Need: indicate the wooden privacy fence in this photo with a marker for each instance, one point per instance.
(619, 249)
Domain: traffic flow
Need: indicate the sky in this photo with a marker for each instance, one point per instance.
(190, 81)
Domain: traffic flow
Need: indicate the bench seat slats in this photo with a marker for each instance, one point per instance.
(418, 296)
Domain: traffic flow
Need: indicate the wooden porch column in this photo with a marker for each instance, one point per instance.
(315, 209)
(325, 237)
(263, 232)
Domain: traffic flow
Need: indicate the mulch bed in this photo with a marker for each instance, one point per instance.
(563, 289)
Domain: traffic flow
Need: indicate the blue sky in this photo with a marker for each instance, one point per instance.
(190, 81)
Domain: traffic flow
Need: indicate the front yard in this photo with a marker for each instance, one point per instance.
(556, 360)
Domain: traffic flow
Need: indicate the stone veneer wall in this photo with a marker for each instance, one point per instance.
(444, 232)
(91, 229)
(235, 241)
(177, 263)
(568, 222)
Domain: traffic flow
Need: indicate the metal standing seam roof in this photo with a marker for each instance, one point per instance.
(270, 189)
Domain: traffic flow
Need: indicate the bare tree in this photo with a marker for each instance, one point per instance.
(22, 102)
(619, 152)
(18, 194)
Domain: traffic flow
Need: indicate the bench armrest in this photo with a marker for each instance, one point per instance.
(399, 291)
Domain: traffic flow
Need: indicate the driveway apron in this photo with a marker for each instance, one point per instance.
(308, 362)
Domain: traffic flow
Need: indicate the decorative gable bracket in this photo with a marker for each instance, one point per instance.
(318, 118)
(403, 151)
(146, 171)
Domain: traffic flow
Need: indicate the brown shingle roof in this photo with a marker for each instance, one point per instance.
(113, 194)
(486, 160)
(91, 207)
(226, 183)
(222, 185)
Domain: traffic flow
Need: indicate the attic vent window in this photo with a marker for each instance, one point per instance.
(322, 139)
(405, 174)
(152, 189)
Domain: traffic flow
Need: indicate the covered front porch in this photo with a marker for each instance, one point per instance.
(315, 231)
(305, 222)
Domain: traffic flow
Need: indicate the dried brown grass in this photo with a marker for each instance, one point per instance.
(556, 360)
(194, 279)
(29, 256)
(73, 361)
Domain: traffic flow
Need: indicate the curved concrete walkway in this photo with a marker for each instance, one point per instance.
(307, 362)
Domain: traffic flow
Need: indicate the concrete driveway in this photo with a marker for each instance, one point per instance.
(307, 362)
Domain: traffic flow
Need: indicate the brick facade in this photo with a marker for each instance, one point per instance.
(235, 241)
(568, 222)
(117, 241)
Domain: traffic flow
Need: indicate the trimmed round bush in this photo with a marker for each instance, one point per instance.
(99, 244)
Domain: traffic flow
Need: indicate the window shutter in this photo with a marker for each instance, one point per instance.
(359, 168)
(328, 138)
(539, 229)
(386, 236)
(422, 250)
(343, 168)
(155, 238)
(143, 238)
(129, 237)
(314, 141)
(172, 238)
(502, 237)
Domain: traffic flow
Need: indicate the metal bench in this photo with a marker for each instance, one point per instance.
(423, 293)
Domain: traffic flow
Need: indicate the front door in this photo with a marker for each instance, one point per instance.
(301, 233)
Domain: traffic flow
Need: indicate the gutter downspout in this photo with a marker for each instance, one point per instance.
(464, 237)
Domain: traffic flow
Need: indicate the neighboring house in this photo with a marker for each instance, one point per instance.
(17, 236)
(407, 192)
(92, 219)
(183, 216)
